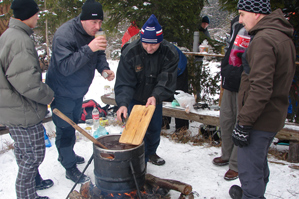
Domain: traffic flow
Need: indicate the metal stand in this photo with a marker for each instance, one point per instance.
(135, 180)
(88, 163)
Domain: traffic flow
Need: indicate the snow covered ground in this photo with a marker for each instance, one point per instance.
(184, 162)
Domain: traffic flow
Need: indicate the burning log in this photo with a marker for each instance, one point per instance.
(169, 184)
(75, 195)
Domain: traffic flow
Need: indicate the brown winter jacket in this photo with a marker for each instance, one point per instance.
(23, 95)
(263, 94)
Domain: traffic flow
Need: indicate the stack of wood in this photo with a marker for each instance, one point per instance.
(160, 186)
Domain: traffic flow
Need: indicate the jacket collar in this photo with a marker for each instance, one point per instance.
(17, 24)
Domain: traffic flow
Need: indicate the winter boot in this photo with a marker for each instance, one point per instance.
(235, 192)
(155, 159)
(75, 175)
(43, 197)
(44, 184)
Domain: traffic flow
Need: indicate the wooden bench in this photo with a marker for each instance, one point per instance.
(289, 132)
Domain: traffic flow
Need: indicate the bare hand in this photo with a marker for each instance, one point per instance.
(121, 111)
(110, 73)
(98, 43)
(151, 101)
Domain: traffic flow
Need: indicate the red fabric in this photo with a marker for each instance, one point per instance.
(130, 32)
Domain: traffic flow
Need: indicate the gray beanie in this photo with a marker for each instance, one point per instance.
(255, 6)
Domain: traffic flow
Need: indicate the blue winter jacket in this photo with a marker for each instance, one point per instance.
(73, 63)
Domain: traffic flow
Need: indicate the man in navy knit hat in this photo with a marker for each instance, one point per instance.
(268, 71)
(77, 53)
(146, 75)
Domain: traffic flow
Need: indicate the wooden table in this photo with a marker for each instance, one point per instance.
(203, 54)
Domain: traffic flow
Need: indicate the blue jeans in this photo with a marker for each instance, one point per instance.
(65, 133)
(152, 135)
(253, 164)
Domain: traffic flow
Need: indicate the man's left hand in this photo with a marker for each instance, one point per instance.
(241, 134)
(110, 74)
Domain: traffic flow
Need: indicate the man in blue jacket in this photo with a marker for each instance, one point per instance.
(76, 55)
(147, 74)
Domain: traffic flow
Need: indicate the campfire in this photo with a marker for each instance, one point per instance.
(154, 188)
(120, 172)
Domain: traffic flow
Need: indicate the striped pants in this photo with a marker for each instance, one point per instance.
(29, 150)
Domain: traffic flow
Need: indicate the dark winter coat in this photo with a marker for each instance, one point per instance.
(23, 95)
(73, 63)
(141, 75)
(231, 75)
(264, 90)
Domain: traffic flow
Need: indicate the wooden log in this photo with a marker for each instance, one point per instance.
(293, 155)
(85, 190)
(169, 184)
(75, 195)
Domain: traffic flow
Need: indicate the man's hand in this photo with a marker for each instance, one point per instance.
(122, 111)
(241, 134)
(151, 101)
(110, 74)
(98, 43)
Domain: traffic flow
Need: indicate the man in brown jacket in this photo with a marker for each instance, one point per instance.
(269, 67)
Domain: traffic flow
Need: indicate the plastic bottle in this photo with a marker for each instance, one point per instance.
(240, 44)
(95, 117)
(47, 140)
(100, 132)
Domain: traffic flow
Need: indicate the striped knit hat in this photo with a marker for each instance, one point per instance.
(151, 32)
(255, 6)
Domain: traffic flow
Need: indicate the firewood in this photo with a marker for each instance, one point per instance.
(189, 196)
(85, 190)
(75, 195)
(169, 184)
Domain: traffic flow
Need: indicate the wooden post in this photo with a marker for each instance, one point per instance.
(293, 155)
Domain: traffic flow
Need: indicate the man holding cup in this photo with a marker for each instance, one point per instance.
(76, 55)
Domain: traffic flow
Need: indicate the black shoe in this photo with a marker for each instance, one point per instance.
(155, 159)
(43, 197)
(74, 174)
(235, 192)
(80, 160)
(45, 184)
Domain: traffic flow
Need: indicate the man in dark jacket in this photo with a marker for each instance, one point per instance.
(24, 98)
(231, 77)
(76, 55)
(146, 75)
(269, 68)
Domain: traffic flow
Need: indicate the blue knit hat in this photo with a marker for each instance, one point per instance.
(205, 19)
(151, 31)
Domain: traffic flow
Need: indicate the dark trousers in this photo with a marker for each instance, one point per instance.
(152, 135)
(182, 84)
(30, 152)
(253, 164)
(65, 133)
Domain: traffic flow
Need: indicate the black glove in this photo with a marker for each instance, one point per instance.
(240, 135)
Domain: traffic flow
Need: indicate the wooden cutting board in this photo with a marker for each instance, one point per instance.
(137, 124)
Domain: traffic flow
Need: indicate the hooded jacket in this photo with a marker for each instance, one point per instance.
(231, 75)
(23, 95)
(141, 75)
(265, 85)
(73, 63)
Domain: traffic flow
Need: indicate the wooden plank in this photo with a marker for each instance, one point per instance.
(203, 54)
(137, 124)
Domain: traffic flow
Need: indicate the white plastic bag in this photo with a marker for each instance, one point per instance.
(185, 100)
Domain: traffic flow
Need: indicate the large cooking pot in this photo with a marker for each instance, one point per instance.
(112, 169)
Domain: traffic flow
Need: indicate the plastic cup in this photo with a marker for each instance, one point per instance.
(100, 33)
